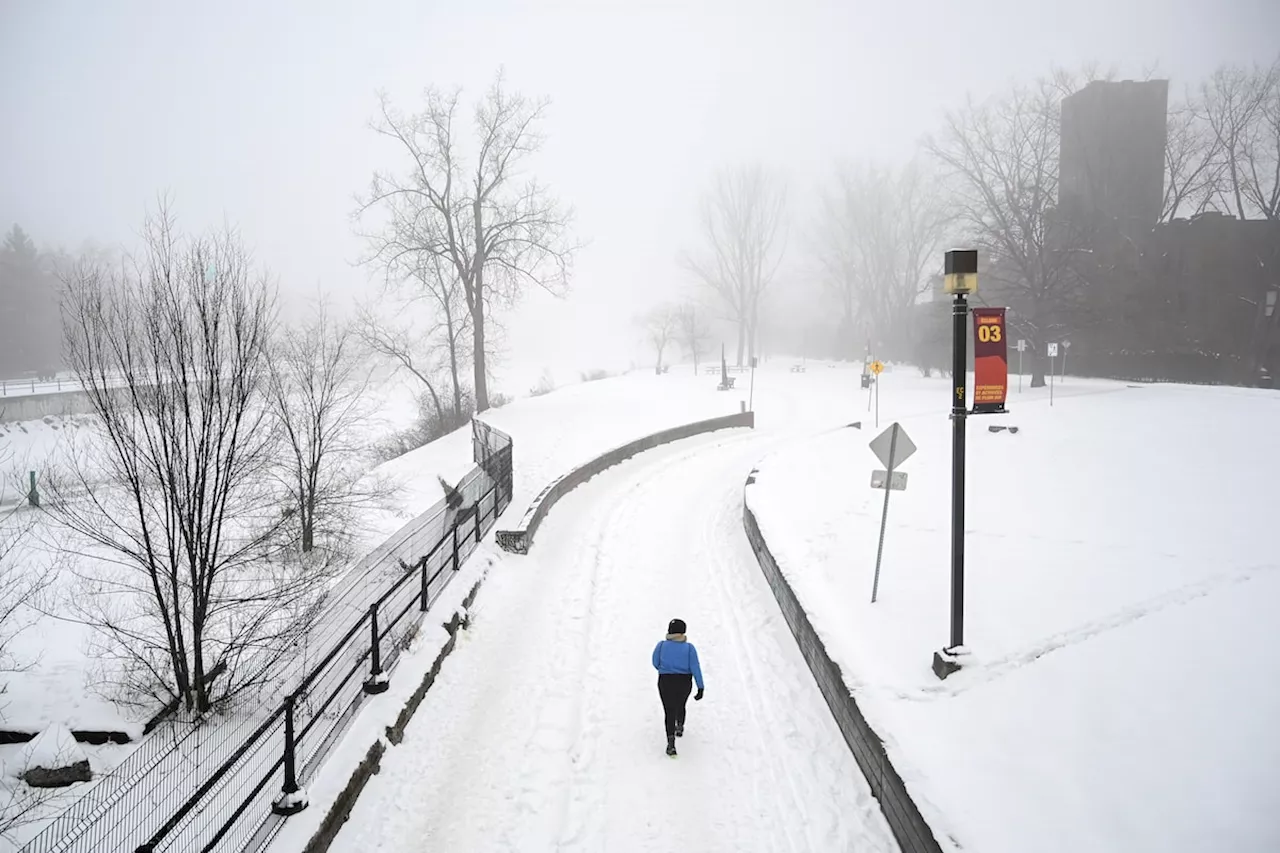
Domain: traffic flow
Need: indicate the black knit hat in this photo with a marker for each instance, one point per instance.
(677, 626)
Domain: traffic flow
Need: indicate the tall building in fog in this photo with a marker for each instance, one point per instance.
(1111, 165)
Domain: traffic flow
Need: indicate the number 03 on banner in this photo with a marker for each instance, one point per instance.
(990, 361)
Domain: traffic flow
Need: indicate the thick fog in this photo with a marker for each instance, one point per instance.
(257, 114)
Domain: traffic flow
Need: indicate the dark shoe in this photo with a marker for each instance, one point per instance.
(671, 746)
(679, 729)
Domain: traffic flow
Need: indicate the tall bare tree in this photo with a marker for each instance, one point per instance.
(661, 327)
(318, 384)
(742, 227)
(1002, 157)
(835, 247)
(1242, 108)
(172, 501)
(1193, 162)
(440, 345)
(692, 331)
(498, 233)
(880, 232)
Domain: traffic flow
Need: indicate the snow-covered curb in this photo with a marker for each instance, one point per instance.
(520, 539)
(333, 791)
(909, 827)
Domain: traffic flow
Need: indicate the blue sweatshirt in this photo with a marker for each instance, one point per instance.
(677, 657)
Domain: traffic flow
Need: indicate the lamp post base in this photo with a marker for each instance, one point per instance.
(949, 661)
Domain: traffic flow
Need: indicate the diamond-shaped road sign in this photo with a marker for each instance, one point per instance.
(902, 448)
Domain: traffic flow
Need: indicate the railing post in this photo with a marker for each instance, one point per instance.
(478, 529)
(422, 605)
(377, 682)
(292, 799)
(456, 567)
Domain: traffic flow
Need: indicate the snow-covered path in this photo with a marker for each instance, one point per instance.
(544, 730)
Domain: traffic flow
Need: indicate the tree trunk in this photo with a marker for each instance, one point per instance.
(309, 518)
(478, 374)
(453, 375)
(1038, 363)
(742, 339)
(201, 688)
(477, 310)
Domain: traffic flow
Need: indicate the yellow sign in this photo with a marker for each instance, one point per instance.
(877, 367)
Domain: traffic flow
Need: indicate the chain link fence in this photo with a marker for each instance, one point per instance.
(214, 785)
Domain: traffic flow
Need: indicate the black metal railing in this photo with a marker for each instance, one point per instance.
(226, 784)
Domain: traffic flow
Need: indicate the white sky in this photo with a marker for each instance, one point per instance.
(257, 112)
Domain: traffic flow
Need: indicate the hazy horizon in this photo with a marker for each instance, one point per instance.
(258, 116)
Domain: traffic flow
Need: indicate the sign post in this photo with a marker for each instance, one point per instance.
(892, 447)
(1053, 356)
(960, 279)
(877, 367)
(1022, 347)
(751, 395)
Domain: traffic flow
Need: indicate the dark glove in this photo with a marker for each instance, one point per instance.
(697, 697)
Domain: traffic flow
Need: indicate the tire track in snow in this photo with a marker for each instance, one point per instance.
(581, 813)
(983, 673)
(753, 744)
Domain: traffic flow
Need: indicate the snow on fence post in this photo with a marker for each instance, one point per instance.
(377, 682)
(290, 800)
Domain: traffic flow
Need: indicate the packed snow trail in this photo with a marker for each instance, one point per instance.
(544, 730)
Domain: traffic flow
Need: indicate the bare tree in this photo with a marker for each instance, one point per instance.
(1242, 108)
(182, 563)
(835, 247)
(692, 332)
(1002, 158)
(881, 231)
(318, 385)
(499, 235)
(1193, 162)
(742, 226)
(661, 326)
(409, 349)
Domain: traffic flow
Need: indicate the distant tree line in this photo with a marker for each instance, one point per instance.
(988, 178)
(30, 334)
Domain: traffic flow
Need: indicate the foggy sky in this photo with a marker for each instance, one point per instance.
(257, 112)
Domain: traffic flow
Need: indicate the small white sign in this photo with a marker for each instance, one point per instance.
(1053, 350)
(1022, 345)
(898, 482)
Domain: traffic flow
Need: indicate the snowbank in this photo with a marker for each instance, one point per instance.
(1120, 571)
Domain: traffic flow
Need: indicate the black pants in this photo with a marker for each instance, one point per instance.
(674, 690)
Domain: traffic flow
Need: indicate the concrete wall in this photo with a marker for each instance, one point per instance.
(33, 407)
(909, 827)
(520, 539)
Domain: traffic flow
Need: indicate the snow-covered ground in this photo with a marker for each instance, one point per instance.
(1117, 569)
(544, 730)
(553, 433)
(1121, 580)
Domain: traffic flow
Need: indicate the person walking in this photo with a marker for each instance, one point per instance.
(676, 660)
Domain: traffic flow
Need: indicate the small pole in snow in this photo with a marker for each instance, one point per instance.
(884, 514)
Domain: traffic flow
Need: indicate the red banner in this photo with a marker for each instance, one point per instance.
(990, 361)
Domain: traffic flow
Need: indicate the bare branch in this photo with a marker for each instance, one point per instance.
(742, 217)
(472, 225)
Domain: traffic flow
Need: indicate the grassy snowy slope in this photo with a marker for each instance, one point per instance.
(1120, 564)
